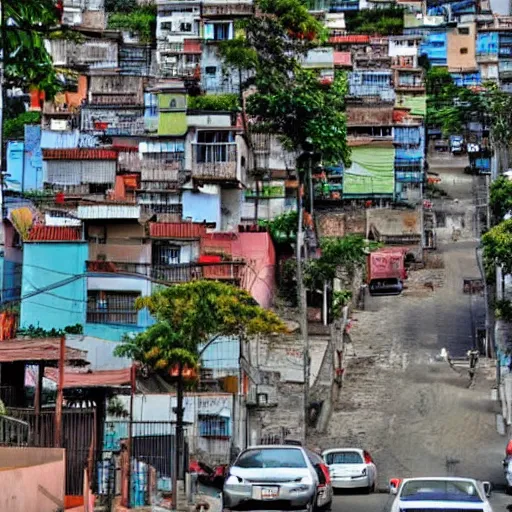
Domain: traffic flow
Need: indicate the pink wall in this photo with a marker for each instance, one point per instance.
(258, 251)
(31, 479)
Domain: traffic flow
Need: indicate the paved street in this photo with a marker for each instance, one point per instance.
(414, 413)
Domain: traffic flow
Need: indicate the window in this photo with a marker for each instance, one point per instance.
(463, 51)
(210, 70)
(111, 307)
(214, 147)
(440, 490)
(185, 27)
(214, 426)
(166, 254)
(272, 458)
(464, 31)
(172, 103)
(218, 31)
(344, 458)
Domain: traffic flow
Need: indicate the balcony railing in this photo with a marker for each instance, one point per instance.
(214, 161)
(409, 176)
(180, 273)
(228, 9)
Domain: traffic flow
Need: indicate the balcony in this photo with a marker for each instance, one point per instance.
(212, 9)
(181, 273)
(214, 161)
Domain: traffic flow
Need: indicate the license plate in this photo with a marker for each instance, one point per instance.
(265, 493)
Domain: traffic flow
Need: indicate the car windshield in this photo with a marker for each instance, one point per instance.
(272, 458)
(440, 490)
(343, 458)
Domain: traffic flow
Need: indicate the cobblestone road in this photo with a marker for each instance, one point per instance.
(415, 414)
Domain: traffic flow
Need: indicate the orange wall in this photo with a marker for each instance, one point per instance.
(31, 479)
(457, 41)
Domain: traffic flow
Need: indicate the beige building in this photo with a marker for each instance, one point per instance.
(461, 44)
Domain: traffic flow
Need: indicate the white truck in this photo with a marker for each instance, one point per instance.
(440, 493)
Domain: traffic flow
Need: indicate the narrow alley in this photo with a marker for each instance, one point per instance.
(414, 413)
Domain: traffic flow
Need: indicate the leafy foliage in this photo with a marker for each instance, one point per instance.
(385, 22)
(38, 332)
(289, 100)
(498, 106)
(216, 102)
(497, 246)
(339, 301)
(141, 21)
(500, 197)
(307, 109)
(283, 228)
(15, 128)
(190, 314)
(449, 106)
(343, 254)
(28, 63)
(503, 310)
(120, 5)
(116, 408)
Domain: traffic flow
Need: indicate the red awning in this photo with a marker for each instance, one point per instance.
(94, 379)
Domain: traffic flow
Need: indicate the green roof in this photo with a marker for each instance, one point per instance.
(417, 104)
(372, 171)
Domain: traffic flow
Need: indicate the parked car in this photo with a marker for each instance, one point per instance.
(443, 493)
(351, 468)
(278, 477)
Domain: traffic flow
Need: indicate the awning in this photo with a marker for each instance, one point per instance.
(41, 350)
(93, 379)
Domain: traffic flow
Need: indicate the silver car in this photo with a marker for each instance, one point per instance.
(351, 468)
(277, 477)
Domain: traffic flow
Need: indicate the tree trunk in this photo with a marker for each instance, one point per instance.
(178, 438)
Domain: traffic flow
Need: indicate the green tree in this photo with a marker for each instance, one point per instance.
(289, 100)
(385, 22)
(497, 246)
(500, 198)
(189, 315)
(28, 63)
(340, 258)
(449, 106)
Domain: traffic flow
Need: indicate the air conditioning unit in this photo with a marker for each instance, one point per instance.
(262, 396)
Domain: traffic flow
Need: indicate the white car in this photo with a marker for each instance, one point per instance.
(440, 493)
(351, 468)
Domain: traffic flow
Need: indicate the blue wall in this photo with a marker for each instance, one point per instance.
(201, 206)
(487, 43)
(434, 47)
(49, 263)
(111, 332)
(14, 165)
(33, 159)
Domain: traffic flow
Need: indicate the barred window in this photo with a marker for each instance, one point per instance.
(111, 307)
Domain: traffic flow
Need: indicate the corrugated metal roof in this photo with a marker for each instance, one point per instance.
(176, 229)
(342, 59)
(41, 349)
(54, 233)
(108, 211)
(350, 39)
(96, 379)
(79, 154)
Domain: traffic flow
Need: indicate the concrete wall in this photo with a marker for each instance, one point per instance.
(100, 352)
(32, 479)
(394, 222)
(462, 48)
(46, 264)
(365, 116)
(340, 223)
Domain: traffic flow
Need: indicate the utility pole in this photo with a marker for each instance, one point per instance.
(301, 290)
(178, 438)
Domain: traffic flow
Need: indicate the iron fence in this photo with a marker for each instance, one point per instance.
(14, 432)
(151, 459)
(179, 273)
(111, 307)
(78, 432)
